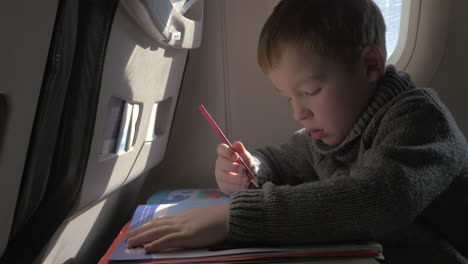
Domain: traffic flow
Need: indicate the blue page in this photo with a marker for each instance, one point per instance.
(161, 203)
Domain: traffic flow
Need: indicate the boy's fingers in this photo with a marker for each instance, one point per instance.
(145, 227)
(223, 164)
(239, 147)
(238, 181)
(239, 169)
(229, 177)
(173, 240)
(226, 152)
(233, 178)
(159, 221)
(150, 235)
(235, 168)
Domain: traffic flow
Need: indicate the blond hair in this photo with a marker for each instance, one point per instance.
(333, 29)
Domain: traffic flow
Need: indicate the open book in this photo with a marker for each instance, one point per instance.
(176, 201)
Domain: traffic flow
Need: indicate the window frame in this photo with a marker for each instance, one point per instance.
(423, 39)
(410, 11)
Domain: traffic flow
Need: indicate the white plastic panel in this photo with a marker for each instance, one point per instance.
(140, 72)
(26, 30)
(166, 24)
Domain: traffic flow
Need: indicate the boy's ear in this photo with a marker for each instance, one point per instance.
(374, 62)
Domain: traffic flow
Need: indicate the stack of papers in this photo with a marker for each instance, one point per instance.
(170, 202)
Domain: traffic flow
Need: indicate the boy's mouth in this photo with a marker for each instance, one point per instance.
(316, 133)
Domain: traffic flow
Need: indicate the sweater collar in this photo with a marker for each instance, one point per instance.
(392, 83)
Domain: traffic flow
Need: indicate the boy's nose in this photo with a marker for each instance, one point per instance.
(301, 113)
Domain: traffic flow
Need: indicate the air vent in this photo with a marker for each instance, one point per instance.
(121, 130)
(159, 120)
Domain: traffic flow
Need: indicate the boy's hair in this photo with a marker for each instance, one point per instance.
(333, 29)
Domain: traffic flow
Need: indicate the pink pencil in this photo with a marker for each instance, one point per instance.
(224, 139)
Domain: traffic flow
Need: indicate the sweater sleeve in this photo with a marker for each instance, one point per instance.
(416, 153)
(289, 163)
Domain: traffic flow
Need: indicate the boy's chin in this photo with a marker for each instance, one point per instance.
(331, 141)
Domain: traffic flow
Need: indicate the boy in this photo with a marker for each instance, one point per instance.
(377, 158)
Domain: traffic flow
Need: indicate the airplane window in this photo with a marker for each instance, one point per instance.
(391, 10)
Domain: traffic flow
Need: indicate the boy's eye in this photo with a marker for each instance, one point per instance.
(313, 93)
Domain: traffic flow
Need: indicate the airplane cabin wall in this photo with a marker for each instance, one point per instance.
(451, 79)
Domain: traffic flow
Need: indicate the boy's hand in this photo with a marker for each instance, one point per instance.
(199, 227)
(231, 175)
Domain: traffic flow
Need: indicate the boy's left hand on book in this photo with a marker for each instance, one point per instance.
(199, 227)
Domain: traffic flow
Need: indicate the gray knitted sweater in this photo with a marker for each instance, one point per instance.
(400, 178)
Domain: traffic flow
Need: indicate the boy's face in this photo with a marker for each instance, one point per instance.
(326, 98)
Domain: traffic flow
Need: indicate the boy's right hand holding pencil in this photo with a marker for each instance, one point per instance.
(231, 176)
